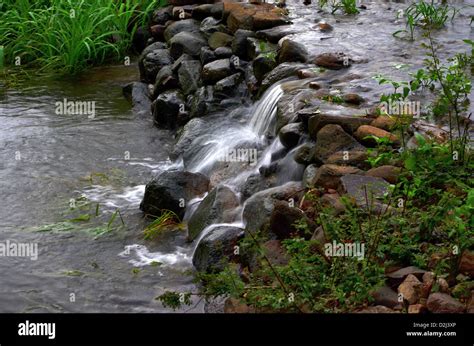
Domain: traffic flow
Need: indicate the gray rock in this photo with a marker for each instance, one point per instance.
(165, 80)
(167, 108)
(258, 208)
(207, 55)
(303, 154)
(263, 64)
(169, 189)
(284, 218)
(177, 64)
(216, 248)
(363, 189)
(186, 25)
(162, 15)
(215, 71)
(333, 61)
(239, 43)
(217, 207)
(309, 176)
(139, 95)
(275, 34)
(282, 71)
(290, 134)
(188, 134)
(211, 25)
(442, 303)
(223, 52)
(201, 101)
(229, 84)
(219, 39)
(152, 62)
(386, 296)
(190, 76)
(188, 43)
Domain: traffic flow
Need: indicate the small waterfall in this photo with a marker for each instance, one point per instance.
(265, 110)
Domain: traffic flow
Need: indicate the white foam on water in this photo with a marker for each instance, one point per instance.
(129, 198)
(140, 256)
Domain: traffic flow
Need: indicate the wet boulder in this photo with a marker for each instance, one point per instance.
(162, 15)
(139, 95)
(303, 154)
(207, 55)
(216, 248)
(229, 85)
(223, 52)
(193, 129)
(349, 123)
(309, 176)
(366, 134)
(165, 80)
(187, 43)
(331, 139)
(186, 25)
(157, 31)
(239, 43)
(201, 102)
(215, 71)
(171, 190)
(275, 34)
(290, 134)
(217, 207)
(282, 71)
(208, 10)
(442, 303)
(291, 51)
(167, 109)
(363, 189)
(258, 208)
(263, 64)
(329, 176)
(152, 62)
(211, 25)
(190, 76)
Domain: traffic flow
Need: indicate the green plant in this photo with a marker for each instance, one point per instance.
(347, 6)
(69, 36)
(166, 220)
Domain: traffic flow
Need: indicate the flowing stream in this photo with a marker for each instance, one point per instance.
(50, 162)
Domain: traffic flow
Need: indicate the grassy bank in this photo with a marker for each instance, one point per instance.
(68, 36)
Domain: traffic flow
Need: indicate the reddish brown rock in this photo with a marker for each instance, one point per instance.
(328, 176)
(410, 289)
(443, 303)
(387, 172)
(416, 309)
(365, 131)
(235, 306)
(384, 122)
(466, 263)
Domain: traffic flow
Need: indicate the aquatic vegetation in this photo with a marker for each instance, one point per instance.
(166, 220)
(426, 15)
(69, 36)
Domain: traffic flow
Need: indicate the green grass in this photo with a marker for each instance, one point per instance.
(68, 36)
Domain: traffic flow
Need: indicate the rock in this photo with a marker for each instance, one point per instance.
(284, 218)
(202, 101)
(256, 47)
(365, 191)
(397, 277)
(386, 172)
(309, 175)
(258, 207)
(379, 309)
(266, 20)
(157, 31)
(353, 99)
(349, 123)
(470, 305)
(441, 303)
(410, 289)
(319, 236)
(186, 25)
(325, 27)
(443, 285)
(162, 15)
(229, 84)
(167, 109)
(193, 129)
(365, 131)
(282, 71)
(333, 200)
(252, 17)
(309, 73)
(430, 131)
(416, 309)
(466, 263)
(303, 154)
(169, 189)
(386, 296)
(207, 55)
(152, 47)
(211, 25)
(190, 76)
(333, 61)
(290, 135)
(219, 39)
(186, 43)
(217, 207)
(239, 43)
(234, 306)
(216, 248)
(329, 176)
(291, 51)
(165, 80)
(139, 95)
(215, 71)
(223, 52)
(275, 34)
(152, 62)
(208, 10)
(263, 64)
(356, 158)
(331, 139)
(384, 122)
(177, 64)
